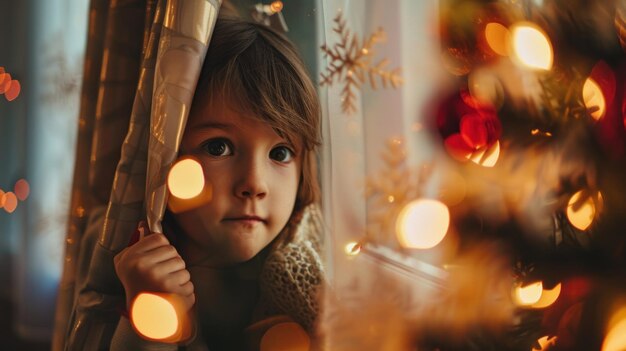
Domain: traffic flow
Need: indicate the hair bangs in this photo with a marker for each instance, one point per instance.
(261, 81)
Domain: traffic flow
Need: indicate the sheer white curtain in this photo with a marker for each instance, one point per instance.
(354, 142)
(352, 154)
(43, 49)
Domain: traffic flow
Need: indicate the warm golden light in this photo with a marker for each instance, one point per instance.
(352, 248)
(485, 87)
(615, 339)
(13, 90)
(531, 46)
(529, 294)
(10, 202)
(422, 224)
(186, 179)
(548, 297)
(486, 157)
(593, 97)
(453, 188)
(5, 82)
(154, 316)
(21, 189)
(545, 342)
(2, 195)
(581, 215)
(276, 6)
(287, 336)
(497, 37)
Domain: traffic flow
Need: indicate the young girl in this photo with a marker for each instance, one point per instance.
(252, 251)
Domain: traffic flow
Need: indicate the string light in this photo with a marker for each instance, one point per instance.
(352, 248)
(529, 294)
(287, 336)
(497, 37)
(13, 90)
(10, 202)
(276, 6)
(531, 46)
(21, 189)
(545, 343)
(186, 179)
(161, 317)
(548, 297)
(486, 157)
(593, 98)
(422, 224)
(187, 186)
(581, 215)
(615, 339)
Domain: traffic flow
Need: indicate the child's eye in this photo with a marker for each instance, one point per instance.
(218, 147)
(281, 154)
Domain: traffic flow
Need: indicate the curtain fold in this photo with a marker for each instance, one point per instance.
(126, 174)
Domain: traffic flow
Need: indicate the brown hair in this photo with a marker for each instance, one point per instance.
(260, 71)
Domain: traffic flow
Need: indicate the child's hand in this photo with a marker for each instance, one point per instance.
(153, 265)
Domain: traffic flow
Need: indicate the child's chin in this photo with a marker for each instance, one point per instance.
(241, 255)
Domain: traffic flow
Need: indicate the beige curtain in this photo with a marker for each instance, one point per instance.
(138, 52)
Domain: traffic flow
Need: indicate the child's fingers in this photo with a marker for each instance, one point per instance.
(187, 295)
(186, 289)
(160, 254)
(176, 280)
(149, 242)
(175, 267)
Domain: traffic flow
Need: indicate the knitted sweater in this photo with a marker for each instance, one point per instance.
(290, 283)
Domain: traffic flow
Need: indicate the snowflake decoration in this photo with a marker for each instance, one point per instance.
(388, 193)
(351, 63)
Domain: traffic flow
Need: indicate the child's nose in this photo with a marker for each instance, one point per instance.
(252, 182)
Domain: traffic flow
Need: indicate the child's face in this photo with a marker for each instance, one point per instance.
(254, 175)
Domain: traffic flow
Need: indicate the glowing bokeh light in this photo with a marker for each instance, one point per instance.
(545, 343)
(154, 316)
(529, 294)
(486, 157)
(21, 189)
(486, 88)
(453, 188)
(2, 198)
(548, 297)
(497, 37)
(531, 46)
(276, 6)
(581, 215)
(593, 97)
(615, 339)
(352, 248)
(5, 84)
(186, 179)
(10, 201)
(422, 224)
(13, 91)
(287, 336)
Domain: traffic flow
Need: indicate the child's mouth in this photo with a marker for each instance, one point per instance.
(245, 219)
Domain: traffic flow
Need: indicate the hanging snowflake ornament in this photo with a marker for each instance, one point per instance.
(389, 191)
(351, 63)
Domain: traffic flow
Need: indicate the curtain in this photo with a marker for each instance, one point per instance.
(361, 139)
(42, 46)
(167, 59)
